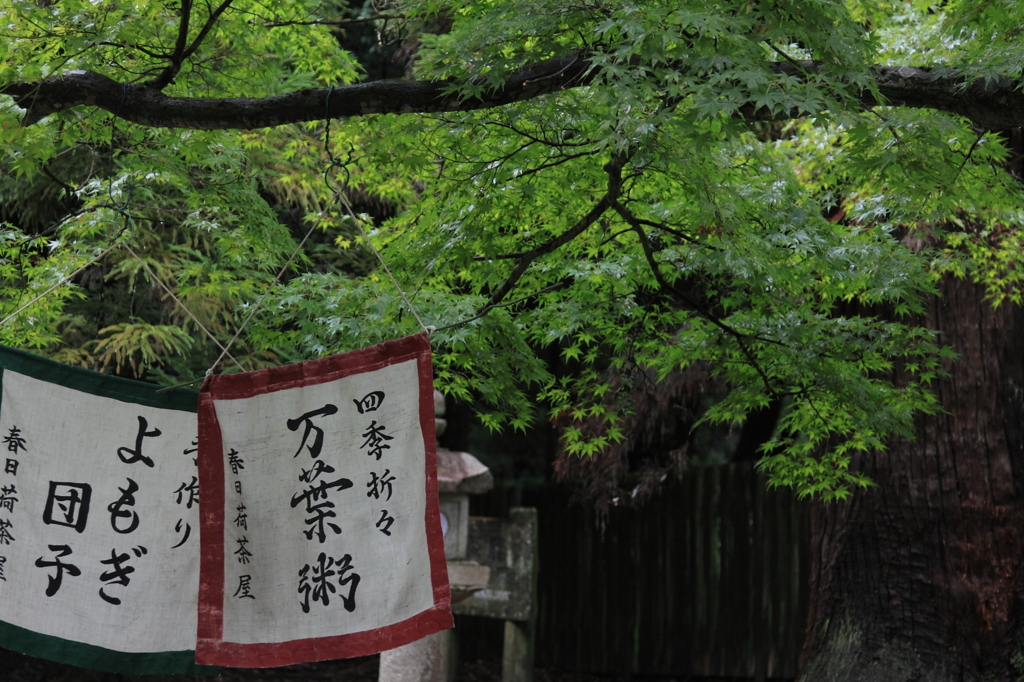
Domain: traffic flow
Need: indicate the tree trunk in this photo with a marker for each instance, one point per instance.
(920, 576)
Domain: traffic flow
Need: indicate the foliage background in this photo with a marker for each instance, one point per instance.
(643, 225)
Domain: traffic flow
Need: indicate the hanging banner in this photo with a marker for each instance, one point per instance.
(320, 530)
(99, 524)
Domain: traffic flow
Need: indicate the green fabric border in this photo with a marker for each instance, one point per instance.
(77, 653)
(96, 383)
(97, 658)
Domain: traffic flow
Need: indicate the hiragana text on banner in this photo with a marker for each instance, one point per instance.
(99, 547)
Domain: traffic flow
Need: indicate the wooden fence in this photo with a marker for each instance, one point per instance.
(708, 579)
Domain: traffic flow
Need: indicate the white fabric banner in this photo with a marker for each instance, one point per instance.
(99, 525)
(321, 536)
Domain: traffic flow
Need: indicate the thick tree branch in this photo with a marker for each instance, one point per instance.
(992, 105)
(148, 107)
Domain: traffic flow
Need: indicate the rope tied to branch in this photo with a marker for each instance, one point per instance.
(339, 194)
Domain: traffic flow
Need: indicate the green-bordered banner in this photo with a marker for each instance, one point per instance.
(99, 524)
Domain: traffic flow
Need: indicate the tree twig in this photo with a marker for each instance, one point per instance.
(181, 52)
(338, 22)
(668, 288)
(488, 308)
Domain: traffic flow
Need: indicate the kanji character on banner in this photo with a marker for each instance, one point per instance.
(95, 572)
(303, 561)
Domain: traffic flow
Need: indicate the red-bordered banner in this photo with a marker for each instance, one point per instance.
(320, 529)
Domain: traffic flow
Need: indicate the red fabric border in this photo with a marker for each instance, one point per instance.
(211, 649)
(435, 538)
(211, 522)
(322, 370)
(324, 648)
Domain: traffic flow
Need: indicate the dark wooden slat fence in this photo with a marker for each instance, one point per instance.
(707, 579)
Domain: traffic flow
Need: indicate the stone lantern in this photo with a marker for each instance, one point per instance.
(459, 475)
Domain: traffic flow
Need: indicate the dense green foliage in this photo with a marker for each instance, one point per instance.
(637, 221)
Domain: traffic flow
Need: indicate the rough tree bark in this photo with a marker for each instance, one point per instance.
(992, 105)
(920, 577)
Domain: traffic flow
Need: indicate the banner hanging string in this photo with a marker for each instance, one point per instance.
(260, 302)
(59, 284)
(122, 209)
(177, 301)
(225, 349)
(119, 208)
(334, 162)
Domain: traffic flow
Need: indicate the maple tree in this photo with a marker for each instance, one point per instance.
(776, 191)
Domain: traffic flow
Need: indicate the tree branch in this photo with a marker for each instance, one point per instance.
(214, 16)
(992, 104)
(551, 245)
(176, 58)
(614, 170)
(182, 53)
(668, 288)
(338, 22)
(148, 107)
(488, 308)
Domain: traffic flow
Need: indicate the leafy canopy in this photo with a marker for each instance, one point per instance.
(641, 220)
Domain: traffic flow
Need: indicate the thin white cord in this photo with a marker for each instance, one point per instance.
(57, 285)
(262, 298)
(182, 305)
(359, 225)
